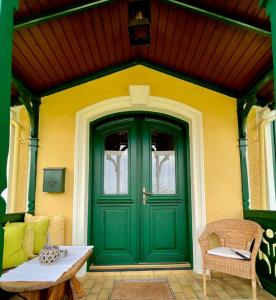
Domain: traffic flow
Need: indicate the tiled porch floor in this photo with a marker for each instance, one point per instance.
(185, 284)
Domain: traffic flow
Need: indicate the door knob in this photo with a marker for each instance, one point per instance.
(145, 194)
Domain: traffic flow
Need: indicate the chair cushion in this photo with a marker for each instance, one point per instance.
(229, 252)
(14, 253)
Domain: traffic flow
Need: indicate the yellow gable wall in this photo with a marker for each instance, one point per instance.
(220, 133)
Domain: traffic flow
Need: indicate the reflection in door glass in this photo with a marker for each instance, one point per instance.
(163, 163)
(116, 163)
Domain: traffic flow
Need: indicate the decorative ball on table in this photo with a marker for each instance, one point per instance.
(49, 255)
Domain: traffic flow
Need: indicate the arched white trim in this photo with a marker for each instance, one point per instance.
(130, 103)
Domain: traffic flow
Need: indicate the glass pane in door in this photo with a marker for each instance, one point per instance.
(116, 163)
(163, 163)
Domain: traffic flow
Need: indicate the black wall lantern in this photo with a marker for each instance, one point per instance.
(139, 22)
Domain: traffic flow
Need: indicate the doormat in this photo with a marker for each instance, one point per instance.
(151, 289)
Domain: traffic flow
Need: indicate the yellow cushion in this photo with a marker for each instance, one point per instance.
(28, 243)
(14, 253)
(31, 218)
(40, 227)
(56, 227)
(56, 230)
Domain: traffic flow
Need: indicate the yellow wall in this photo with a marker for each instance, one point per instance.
(57, 129)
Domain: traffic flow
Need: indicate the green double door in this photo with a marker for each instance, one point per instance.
(139, 192)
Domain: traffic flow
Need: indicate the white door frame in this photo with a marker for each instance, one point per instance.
(139, 100)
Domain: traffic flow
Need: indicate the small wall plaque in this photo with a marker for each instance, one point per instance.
(53, 180)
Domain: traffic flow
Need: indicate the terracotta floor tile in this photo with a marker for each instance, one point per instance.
(96, 288)
(188, 292)
(175, 286)
(180, 296)
(104, 294)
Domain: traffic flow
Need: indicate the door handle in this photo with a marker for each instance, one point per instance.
(145, 194)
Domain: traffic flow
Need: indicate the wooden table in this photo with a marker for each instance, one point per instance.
(67, 285)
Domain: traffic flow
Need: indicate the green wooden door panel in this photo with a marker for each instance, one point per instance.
(129, 154)
(114, 207)
(115, 229)
(164, 212)
(163, 233)
(163, 225)
(115, 234)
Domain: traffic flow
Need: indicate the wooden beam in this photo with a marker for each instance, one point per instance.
(59, 13)
(258, 84)
(220, 17)
(150, 65)
(20, 86)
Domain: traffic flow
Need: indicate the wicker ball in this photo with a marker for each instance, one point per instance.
(49, 255)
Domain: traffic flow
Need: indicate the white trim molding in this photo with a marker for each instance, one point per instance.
(139, 100)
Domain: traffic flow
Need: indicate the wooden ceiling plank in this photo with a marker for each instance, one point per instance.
(194, 45)
(99, 35)
(31, 58)
(252, 54)
(181, 22)
(92, 41)
(155, 13)
(73, 39)
(59, 13)
(82, 40)
(231, 50)
(265, 62)
(39, 55)
(186, 39)
(26, 65)
(108, 35)
(201, 50)
(117, 34)
(65, 44)
(161, 30)
(47, 52)
(21, 71)
(229, 33)
(56, 48)
(219, 17)
(123, 16)
(170, 34)
(212, 44)
(238, 54)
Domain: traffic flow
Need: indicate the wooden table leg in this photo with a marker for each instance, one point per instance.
(72, 289)
(33, 295)
(56, 292)
(77, 289)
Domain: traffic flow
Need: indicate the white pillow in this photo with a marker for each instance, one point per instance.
(229, 252)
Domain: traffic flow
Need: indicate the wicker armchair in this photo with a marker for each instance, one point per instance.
(233, 234)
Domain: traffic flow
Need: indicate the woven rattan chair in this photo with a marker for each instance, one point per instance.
(237, 234)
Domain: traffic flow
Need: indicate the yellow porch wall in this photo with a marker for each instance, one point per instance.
(57, 134)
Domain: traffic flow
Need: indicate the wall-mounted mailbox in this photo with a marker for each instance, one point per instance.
(53, 180)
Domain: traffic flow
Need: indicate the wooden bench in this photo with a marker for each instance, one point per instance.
(67, 285)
